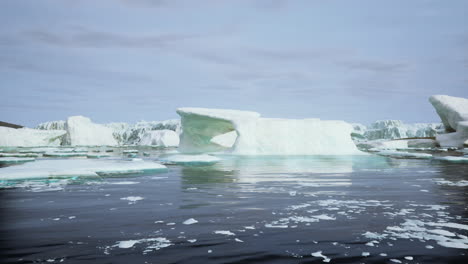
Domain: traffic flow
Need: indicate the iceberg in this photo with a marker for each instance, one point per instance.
(77, 168)
(82, 132)
(453, 111)
(27, 137)
(161, 138)
(262, 136)
(52, 125)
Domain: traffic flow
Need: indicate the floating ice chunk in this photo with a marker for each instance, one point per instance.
(238, 240)
(77, 167)
(154, 243)
(461, 183)
(395, 260)
(324, 217)
(65, 154)
(224, 232)
(132, 199)
(263, 136)
(12, 160)
(319, 254)
(452, 159)
(191, 240)
(276, 226)
(365, 254)
(124, 183)
(190, 221)
(190, 159)
(161, 138)
(26, 137)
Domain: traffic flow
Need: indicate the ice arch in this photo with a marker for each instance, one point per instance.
(203, 129)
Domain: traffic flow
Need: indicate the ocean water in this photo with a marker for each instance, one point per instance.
(362, 209)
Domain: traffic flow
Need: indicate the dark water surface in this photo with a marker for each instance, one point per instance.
(367, 209)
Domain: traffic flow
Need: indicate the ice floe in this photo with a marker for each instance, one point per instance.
(12, 160)
(77, 167)
(319, 254)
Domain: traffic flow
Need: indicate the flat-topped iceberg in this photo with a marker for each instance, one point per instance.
(262, 136)
(27, 137)
(77, 168)
(453, 112)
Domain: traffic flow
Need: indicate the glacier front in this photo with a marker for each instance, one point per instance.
(262, 136)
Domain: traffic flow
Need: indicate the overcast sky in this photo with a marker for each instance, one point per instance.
(131, 60)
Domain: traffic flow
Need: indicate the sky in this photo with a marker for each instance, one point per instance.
(132, 60)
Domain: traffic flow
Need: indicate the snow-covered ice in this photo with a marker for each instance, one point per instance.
(190, 221)
(263, 136)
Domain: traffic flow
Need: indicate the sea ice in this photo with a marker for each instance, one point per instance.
(77, 167)
(400, 154)
(263, 136)
(224, 232)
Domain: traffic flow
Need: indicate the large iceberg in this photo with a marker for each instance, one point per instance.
(453, 112)
(262, 136)
(27, 137)
(82, 132)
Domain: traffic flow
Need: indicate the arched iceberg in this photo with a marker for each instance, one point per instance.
(202, 129)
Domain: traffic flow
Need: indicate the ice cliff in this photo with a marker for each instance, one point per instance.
(128, 134)
(206, 130)
(28, 137)
(453, 111)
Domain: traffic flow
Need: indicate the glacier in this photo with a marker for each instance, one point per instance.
(395, 129)
(28, 137)
(262, 136)
(453, 111)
